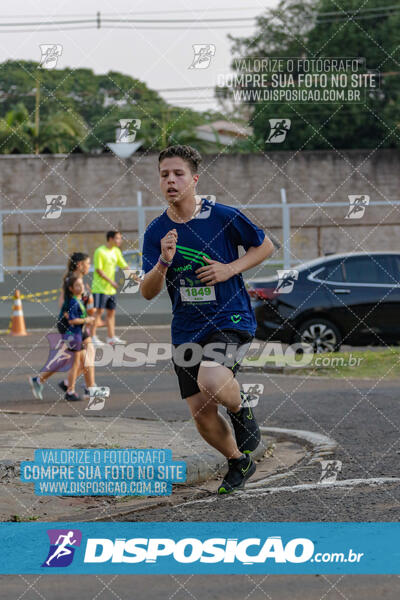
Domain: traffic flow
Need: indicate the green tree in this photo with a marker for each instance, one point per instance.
(80, 110)
(60, 132)
(305, 30)
(16, 131)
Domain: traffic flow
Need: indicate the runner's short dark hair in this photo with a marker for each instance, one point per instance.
(111, 234)
(187, 153)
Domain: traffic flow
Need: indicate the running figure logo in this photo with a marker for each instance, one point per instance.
(357, 207)
(251, 392)
(54, 206)
(60, 359)
(330, 470)
(128, 130)
(50, 54)
(97, 398)
(287, 277)
(207, 202)
(203, 54)
(63, 543)
(279, 129)
(133, 279)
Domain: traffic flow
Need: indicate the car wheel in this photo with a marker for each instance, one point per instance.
(321, 334)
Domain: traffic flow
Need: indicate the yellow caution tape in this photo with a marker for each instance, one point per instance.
(33, 295)
(43, 299)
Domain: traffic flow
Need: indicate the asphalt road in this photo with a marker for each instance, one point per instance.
(200, 587)
(361, 415)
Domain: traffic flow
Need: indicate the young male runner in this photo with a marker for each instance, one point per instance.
(194, 249)
(106, 258)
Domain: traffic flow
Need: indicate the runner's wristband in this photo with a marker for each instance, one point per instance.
(164, 262)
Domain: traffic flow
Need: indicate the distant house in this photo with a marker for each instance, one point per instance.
(223, 132)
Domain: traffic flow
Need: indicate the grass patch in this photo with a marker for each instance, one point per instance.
(361, 364)
(357, 363)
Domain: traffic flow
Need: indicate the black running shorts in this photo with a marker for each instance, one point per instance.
(230, 354)
(104, 301)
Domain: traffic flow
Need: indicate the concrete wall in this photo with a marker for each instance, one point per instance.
(238, 180)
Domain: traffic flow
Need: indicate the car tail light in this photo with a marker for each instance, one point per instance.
(263, 293)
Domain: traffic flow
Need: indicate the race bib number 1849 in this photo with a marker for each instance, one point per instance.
(198, 293)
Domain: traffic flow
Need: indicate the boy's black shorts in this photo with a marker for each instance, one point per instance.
(104, 301)
(230, 356)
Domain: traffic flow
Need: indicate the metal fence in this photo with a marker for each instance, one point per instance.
(287, 260)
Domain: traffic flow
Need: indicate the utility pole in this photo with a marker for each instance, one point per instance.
(37, 111)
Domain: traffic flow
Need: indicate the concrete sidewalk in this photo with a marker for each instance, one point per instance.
(21, 434)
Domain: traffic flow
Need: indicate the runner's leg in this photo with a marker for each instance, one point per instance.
(46, 375)
(110, 322)
(73, 373)
(213, 428)
(88, 363)
(219, 384)
(97, 320)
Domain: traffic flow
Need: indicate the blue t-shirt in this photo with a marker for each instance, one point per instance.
(199, 309)
(76, 310)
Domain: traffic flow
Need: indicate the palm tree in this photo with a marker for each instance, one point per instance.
(60, 132)
(63, 132)
(16, 131)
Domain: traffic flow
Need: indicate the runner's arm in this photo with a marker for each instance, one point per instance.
(217, 272)
(61, 298)
(253, 257)
(74, 317)
(121, 262)
(81, 321)
(153, 282)
(247, 234)
(104, 276)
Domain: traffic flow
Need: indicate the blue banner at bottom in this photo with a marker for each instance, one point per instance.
(204, 548)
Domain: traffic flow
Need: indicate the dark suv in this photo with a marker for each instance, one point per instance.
(338, 299)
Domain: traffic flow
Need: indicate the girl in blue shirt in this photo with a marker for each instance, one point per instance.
(73, 337)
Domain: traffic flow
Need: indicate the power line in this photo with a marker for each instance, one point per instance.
(185, 89)
(192, 11)
(100, 20)
(34, 23)
(233, 73)
(342, 12)
(108, 20)
(86, 27)
(361, 10)
(185, 98)
(25, 16)
(143, 12)
(351, 18)
(217, 20)
(175, 28)
(128, 27)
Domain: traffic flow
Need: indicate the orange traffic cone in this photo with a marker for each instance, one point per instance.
(17, 317)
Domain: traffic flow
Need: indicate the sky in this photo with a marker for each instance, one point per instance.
(159, 57)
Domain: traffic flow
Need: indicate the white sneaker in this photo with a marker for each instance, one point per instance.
(97, 341)
(115, 340)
